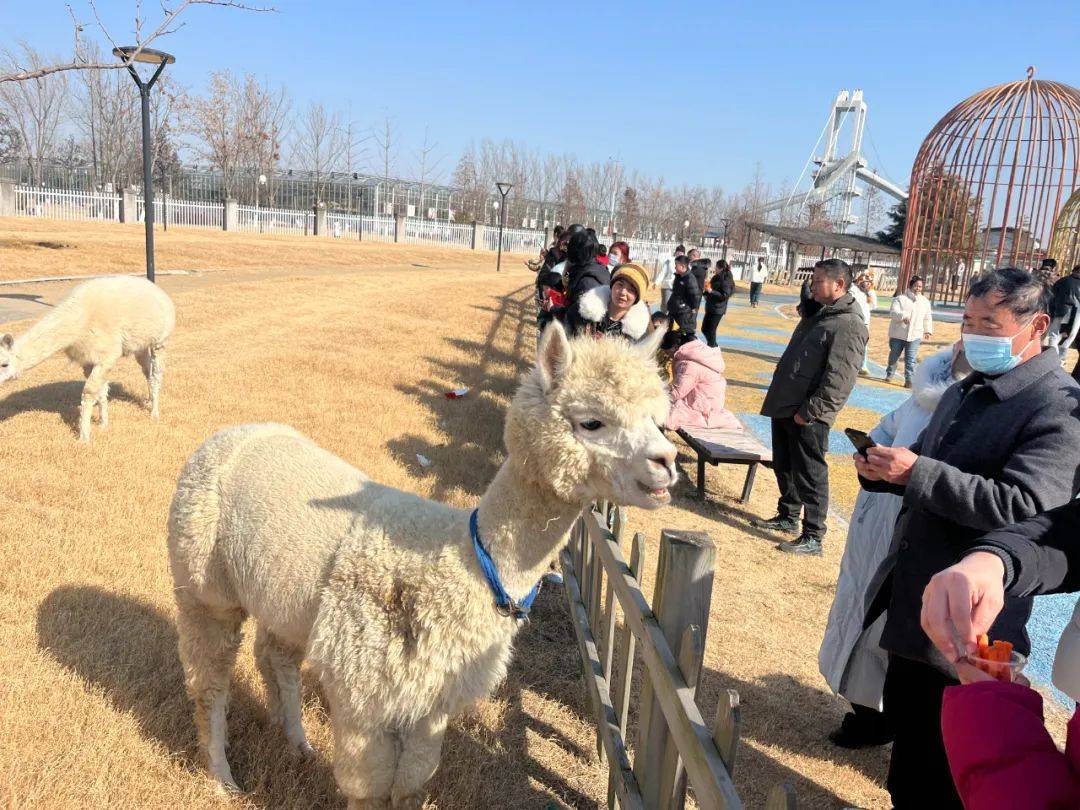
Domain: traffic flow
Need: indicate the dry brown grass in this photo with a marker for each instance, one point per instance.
(356, 352)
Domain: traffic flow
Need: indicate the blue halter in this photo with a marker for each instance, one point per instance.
(504, 603)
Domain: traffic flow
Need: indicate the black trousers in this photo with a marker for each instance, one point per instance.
(708, 326)
(919, 773)
(802, 473)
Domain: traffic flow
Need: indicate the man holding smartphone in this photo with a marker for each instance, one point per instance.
(812, 381)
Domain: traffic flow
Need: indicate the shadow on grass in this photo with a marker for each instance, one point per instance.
(474, 452)
(60, 398)
(128, 650)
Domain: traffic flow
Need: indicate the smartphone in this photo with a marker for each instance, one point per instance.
(860, 439)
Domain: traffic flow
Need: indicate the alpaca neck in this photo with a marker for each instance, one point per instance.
(522, 523)
(51, 334)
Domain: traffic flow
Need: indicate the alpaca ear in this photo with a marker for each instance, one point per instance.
(6, 342)
(554, 355)
(648, 345)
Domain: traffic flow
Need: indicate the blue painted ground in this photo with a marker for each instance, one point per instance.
(1051, 613)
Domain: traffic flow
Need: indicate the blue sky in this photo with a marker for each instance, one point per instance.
(696, 92)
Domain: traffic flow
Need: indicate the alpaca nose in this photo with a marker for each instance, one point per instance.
(664, 458)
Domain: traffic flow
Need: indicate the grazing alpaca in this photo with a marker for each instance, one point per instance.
(99, 322)
(381, 590)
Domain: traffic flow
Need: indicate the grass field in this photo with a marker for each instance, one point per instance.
(353, 344)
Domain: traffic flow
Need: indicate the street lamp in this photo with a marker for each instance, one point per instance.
(148, 56)
(504, 189)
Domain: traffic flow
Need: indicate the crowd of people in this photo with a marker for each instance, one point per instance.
(967, 506)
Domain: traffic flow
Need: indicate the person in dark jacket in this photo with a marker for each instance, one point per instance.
(1001, 447)
(720, 289)
(583, 273)
(685, 297)
(1065, 311)
(812, 381)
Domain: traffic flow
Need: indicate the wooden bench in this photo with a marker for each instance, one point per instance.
(724, 446)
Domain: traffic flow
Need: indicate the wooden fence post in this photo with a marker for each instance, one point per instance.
(682, 597)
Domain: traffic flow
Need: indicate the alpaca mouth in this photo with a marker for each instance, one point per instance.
(659, 494)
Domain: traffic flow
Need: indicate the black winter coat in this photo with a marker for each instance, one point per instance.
(817, 370)
(997, 451)
(700, 269)
(683, 303)
(722, 287)
(580, 279)
(1065, 300)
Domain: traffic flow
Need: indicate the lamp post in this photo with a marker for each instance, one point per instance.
(159, 59)
(260, 184)
(726, 222)
(504, 189)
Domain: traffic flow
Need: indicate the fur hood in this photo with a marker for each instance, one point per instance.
(593, 306)
(933, 377)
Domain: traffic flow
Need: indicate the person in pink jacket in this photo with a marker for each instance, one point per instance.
(699, 390)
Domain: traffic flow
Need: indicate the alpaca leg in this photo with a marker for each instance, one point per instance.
(279, 665)
(96, 380)
(209, 639)
(420, 750)
(364, 761)
(157, 371)
(103, 405)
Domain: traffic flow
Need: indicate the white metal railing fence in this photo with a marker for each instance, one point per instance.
(273, 220)
(378, 228)
(438, 233)
(65, 204)
(183, 213)
(514, 240)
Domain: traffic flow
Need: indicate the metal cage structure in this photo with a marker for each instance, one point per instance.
(1065, 243)
(988, 183)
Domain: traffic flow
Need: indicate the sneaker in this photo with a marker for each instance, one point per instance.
(864, 372)
(806, 544)
(907, 383)
(888, 379)
(776, 524)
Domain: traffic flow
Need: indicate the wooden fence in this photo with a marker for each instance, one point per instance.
(674, 745)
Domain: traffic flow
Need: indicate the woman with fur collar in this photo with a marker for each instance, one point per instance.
(850, 659)
(619, 308)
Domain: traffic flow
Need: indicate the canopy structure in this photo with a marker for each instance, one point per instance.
(825, 239)
(1065, 243)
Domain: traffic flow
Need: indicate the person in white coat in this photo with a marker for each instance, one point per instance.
(850, 659)
(866, 298)
(912, 323)
(665, 277)
(758, 276)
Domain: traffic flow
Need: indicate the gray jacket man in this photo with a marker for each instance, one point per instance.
(812, 381)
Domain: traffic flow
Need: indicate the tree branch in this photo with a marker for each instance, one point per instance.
(164, 28)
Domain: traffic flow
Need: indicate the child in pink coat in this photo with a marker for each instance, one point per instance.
(699, 389)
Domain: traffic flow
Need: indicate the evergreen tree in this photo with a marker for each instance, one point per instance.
(893, 235)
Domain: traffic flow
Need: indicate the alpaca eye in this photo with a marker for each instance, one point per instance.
(592, 424)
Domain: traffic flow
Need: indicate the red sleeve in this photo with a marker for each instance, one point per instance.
(1000, 754)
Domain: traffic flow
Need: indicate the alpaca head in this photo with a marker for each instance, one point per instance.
(8, 370)
(585, 422)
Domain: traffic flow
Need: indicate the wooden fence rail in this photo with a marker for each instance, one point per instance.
(674, 745)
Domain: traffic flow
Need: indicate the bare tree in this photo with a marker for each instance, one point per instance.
(320, 145)
(428, 165)
(34, 107)
(84, 59)
(10, 140)
(217, 125)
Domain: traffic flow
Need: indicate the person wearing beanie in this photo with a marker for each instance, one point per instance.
(620, 308)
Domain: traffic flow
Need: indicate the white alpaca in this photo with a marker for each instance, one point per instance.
(99, 322)
(381, 590)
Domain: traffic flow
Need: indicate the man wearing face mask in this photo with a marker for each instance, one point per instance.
(1002, 446)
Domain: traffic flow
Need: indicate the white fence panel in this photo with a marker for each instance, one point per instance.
(380, 229)
(64, 204)
(184, 213)
(274, 220)
(514, 240)
(438, 233)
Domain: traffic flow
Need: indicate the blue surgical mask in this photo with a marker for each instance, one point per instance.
(992, 355)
